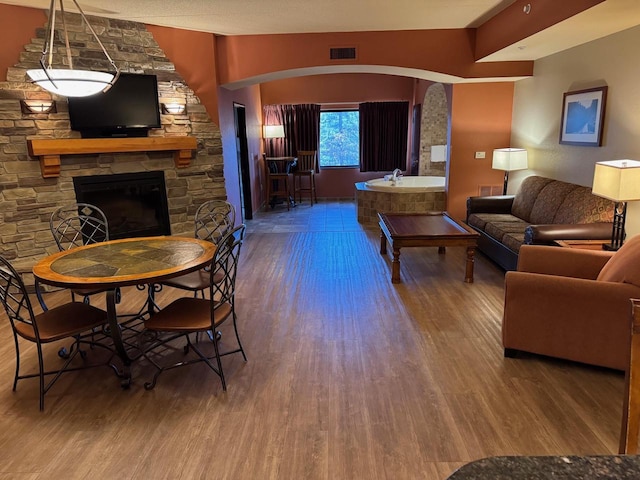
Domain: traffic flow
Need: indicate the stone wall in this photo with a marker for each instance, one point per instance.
(27, 199)
(370, 203)
(433, 130)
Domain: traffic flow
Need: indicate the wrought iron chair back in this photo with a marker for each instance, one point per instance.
(78, 224)
(214, 219)
(224, 267)
(14, 298)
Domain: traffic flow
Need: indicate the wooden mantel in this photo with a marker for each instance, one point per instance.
(49, 150)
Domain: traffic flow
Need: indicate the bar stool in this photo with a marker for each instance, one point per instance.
(306, 167)
(277, 178)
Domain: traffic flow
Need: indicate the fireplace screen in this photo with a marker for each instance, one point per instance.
(135, 203)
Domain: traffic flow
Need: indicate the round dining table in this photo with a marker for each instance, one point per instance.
(119, 263)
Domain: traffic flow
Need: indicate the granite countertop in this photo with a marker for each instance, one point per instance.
(618, 467)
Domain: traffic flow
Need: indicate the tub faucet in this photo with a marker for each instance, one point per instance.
(395, 176)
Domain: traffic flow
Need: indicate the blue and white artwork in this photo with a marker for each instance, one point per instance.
(582, 117)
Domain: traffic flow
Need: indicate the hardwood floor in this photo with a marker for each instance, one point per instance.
(348, 376)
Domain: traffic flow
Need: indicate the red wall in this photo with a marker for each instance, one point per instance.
(337, 88)
(193, 54)
(17, 28)
(444, 51)
(480, 121)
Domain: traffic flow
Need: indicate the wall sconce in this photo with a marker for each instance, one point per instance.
(174, 108)
(509, 159)
(37, 106)
(617, 180)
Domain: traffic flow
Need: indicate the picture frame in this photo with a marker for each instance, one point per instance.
(583, 116)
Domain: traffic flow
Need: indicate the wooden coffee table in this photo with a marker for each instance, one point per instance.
(436, 229)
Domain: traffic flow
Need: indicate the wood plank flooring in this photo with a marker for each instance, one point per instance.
(348, 376)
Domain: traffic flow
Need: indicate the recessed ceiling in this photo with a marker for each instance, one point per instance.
(245, 17)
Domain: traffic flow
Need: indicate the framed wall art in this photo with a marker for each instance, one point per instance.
(582, 117)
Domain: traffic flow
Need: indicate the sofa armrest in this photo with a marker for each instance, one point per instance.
(547, 234)
(576, 319)
(565, 262)
(493, 204)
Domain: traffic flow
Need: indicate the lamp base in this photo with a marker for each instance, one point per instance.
(506, 181)
(610, 247)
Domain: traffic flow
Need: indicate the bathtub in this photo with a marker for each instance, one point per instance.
(411, 194)
(407, 184)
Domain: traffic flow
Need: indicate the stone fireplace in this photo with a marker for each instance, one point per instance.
(27, 198)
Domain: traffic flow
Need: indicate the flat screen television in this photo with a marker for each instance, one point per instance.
(128, 109)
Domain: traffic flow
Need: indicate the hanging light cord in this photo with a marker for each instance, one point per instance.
(48, 47)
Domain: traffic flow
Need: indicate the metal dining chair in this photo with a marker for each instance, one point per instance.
(213, 220)
(75, 225)
(72, 320)
(193, 315)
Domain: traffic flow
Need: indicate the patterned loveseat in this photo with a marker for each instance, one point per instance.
(543, 211)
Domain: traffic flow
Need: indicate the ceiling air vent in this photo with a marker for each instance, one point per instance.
(342, 53)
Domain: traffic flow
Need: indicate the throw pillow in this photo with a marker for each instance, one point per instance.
(624, 265)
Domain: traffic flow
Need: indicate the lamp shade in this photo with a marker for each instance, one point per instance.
(71, 83)
(617, 180)
(274, 131)
(509, 159)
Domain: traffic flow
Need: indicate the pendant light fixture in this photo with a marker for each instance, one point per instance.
(70, 82)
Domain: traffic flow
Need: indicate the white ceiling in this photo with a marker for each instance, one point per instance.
(242, 17)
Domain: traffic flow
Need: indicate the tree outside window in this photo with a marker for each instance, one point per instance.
(339, 138)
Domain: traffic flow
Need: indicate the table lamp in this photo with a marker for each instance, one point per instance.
(509, 159)
(271, 132)
(617, 180)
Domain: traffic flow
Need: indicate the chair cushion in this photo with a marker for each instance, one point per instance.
(64, 321)
(498, 230)
(624, 265)
(188, 315)
(480, 220)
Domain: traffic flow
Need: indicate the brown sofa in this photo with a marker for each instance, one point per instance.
(543, 211)
(572, 304)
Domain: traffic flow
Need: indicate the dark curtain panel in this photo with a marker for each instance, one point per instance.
(383, 136)
(308, 128)
(301, 128)
(280, 115)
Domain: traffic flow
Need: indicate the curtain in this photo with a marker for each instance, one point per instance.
(383, 136)
(308, 128)
(301, 129)
(280, 115)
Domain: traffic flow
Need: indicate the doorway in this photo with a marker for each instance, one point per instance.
(242, 152)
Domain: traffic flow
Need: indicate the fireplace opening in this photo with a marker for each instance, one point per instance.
(135, 204)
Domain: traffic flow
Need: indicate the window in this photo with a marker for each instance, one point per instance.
(339, 138)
